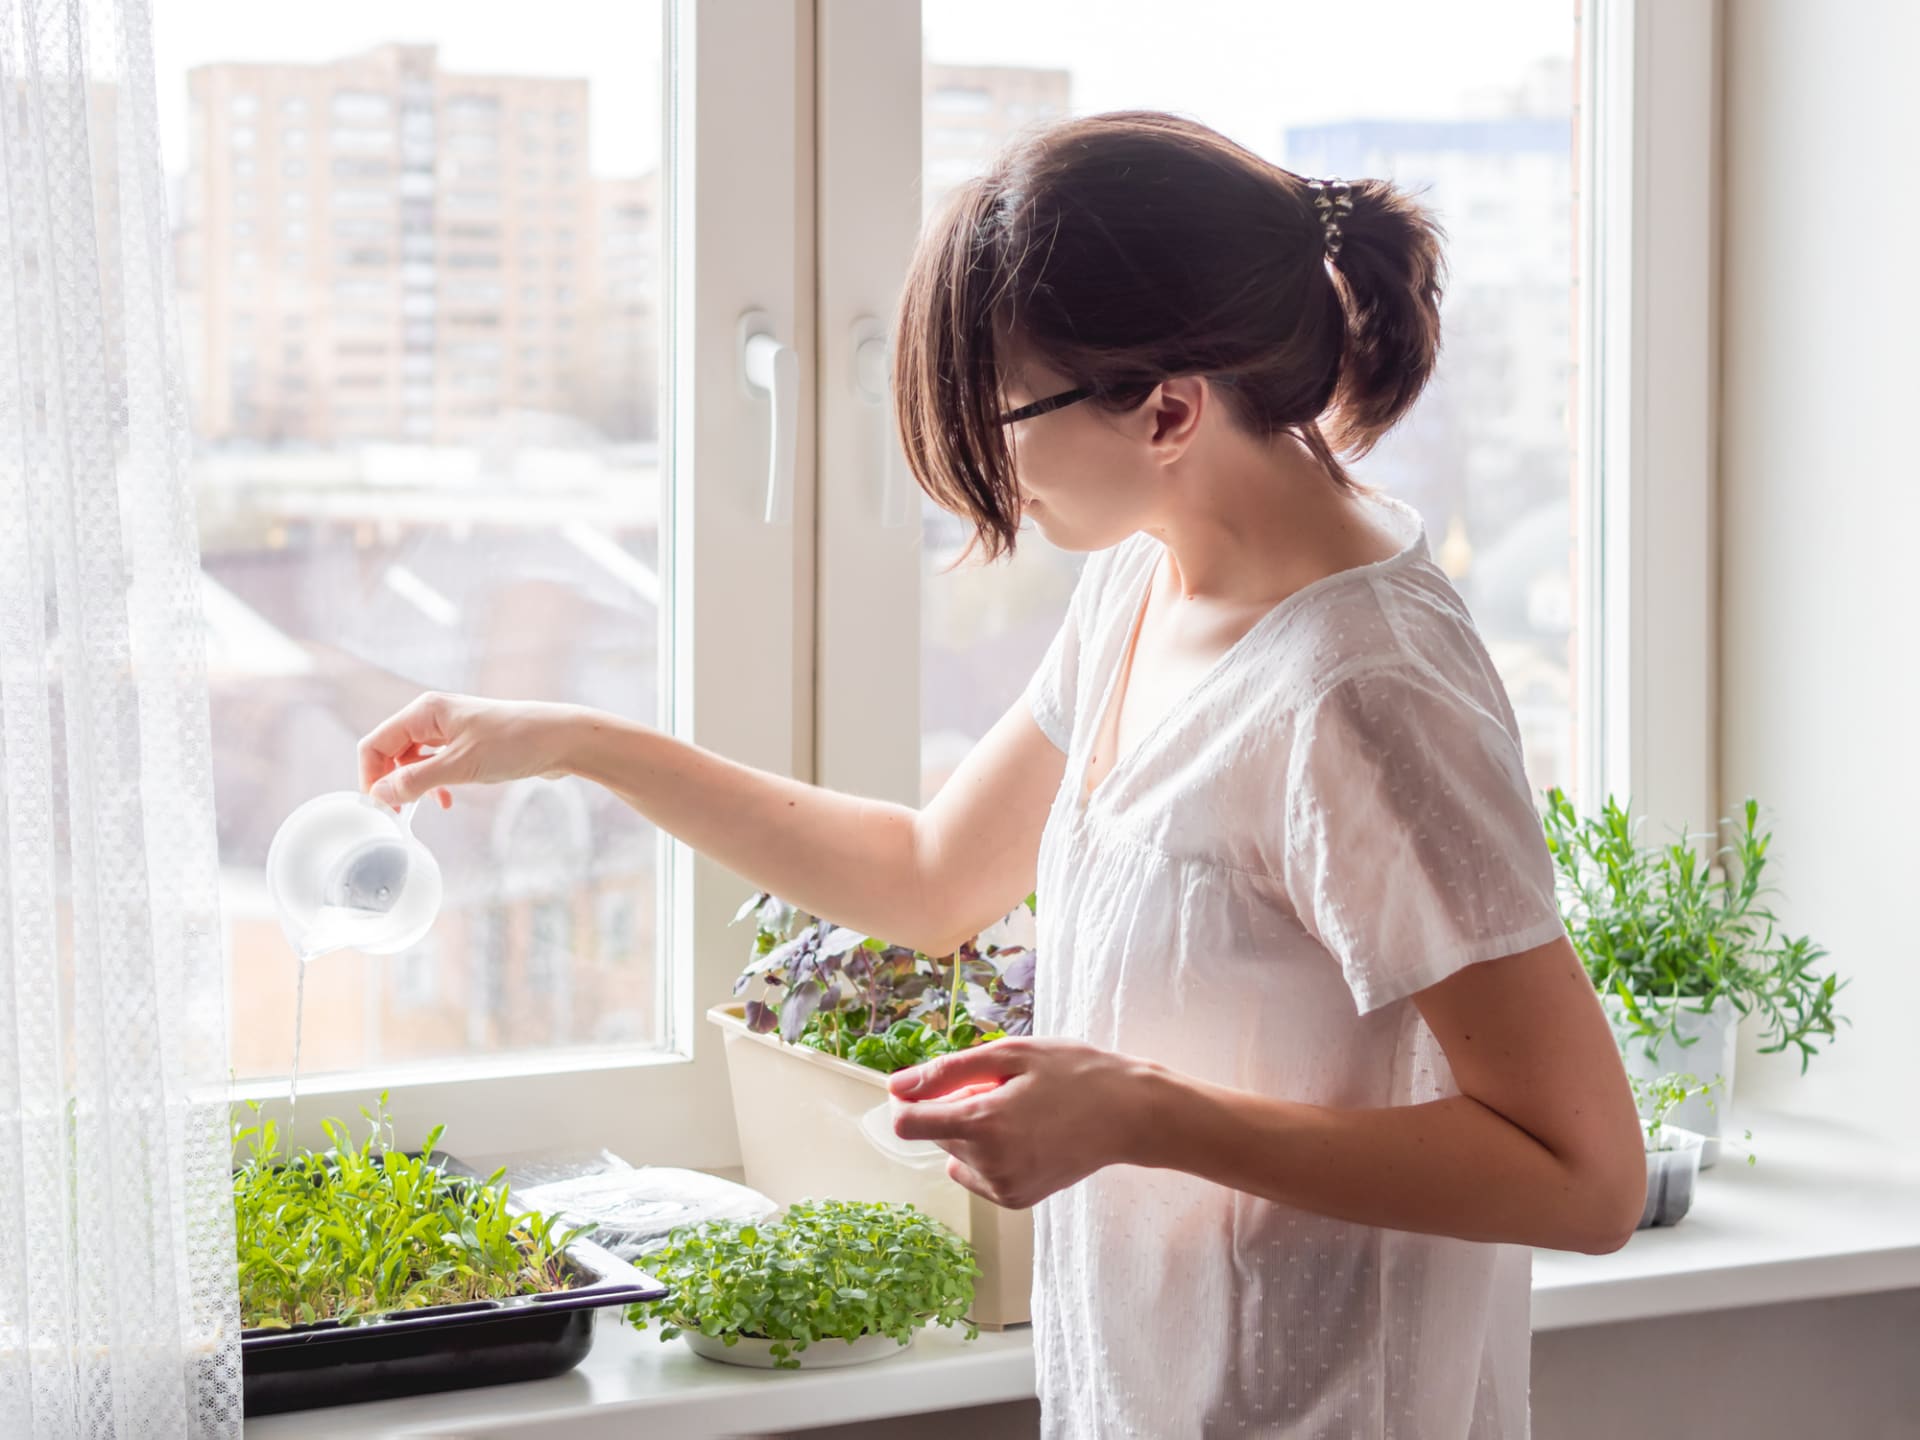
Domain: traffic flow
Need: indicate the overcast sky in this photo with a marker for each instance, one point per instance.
(1246, 67)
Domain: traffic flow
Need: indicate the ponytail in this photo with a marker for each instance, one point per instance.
(1389, 273)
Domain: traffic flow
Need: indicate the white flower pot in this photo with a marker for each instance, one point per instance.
(809, 1131)
(1711, 1054)
(819, 1355)
(1671, 1175)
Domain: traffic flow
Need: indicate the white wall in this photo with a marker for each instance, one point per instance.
(1820, 507)
(1835, 1369)
(1819, 504)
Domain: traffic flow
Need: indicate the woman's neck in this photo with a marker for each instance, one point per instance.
(1250, 523)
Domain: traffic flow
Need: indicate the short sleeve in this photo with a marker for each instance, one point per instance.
(1050, 691)
(1412, 847)
(1054, 687)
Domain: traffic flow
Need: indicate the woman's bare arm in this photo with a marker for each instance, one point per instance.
(928, 878)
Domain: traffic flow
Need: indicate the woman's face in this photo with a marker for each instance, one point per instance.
(1089, 478)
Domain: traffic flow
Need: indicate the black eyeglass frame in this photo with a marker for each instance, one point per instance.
(1052, 402)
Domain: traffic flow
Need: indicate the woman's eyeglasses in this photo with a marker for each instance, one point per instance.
(1052, 402)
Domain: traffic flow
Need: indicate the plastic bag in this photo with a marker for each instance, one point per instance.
(634, 1209)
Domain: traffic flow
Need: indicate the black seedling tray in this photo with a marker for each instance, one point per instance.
(440, 1347)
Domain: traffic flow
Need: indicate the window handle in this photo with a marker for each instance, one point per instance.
(769, 368)
(873, 383)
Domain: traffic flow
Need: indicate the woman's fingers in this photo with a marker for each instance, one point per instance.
(966, 1176)
(421, 723)
(408, 783)
(440, 741)
(995, 1061)
(938, 1120)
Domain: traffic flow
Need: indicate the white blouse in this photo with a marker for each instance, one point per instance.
(1334, 817)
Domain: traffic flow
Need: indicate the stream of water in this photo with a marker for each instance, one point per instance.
(336, 927)
(293, 1085)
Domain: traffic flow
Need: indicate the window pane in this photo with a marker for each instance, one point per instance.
(1477, 119)
(423, 465)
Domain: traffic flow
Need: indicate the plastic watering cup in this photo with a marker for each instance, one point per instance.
(346, 873)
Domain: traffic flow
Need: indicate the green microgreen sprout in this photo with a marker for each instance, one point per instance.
(363, 1230)
(825, 1270)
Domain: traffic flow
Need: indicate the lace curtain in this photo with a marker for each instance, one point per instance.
(118, 1312)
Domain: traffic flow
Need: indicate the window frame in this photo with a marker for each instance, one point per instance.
(1650, 406)
(735, 244)
(867, 720)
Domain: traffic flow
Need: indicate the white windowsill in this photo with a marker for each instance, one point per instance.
(1824, 1213)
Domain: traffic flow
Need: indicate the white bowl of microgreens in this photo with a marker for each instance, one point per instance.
(828, 1283)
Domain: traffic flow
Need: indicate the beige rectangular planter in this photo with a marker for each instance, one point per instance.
(799, 1113)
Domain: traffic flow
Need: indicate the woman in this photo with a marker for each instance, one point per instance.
(1313, 1060)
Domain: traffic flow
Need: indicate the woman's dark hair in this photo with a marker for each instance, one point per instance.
(1126, 248)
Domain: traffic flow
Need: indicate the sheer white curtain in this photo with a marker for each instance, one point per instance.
(118, 1313)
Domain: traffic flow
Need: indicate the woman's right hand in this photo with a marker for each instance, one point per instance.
(440, 741)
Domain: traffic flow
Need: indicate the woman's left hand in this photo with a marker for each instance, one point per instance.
(1022, 1118)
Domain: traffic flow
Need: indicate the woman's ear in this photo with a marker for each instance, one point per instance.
(1172, 414)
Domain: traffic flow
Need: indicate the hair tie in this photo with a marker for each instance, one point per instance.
(1333, 200)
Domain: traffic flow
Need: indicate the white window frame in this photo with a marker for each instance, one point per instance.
(1649, 407)
(868, 662)
(738, 138)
